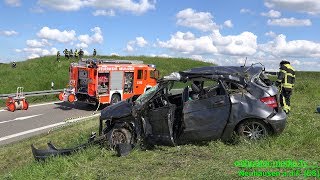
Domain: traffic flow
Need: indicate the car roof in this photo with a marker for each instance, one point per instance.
(224, 70)
(232, 73)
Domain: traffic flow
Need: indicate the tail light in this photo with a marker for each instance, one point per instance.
(270, 101)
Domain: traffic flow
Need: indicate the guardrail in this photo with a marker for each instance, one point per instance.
(33, 93)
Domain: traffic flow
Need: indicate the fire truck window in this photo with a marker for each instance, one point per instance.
(145, 74)
(103, 83)
(140, 74)
(128, 82)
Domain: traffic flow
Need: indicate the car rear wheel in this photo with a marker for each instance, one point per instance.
(119, 136)
(253, 129)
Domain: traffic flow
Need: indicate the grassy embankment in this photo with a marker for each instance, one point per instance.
(37, 74)
(215, 160)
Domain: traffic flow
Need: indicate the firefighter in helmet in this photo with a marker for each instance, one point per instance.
(14, 65)
(76, 53)
(58, 56)
(94, 52)
(81, 53)
(285, 82)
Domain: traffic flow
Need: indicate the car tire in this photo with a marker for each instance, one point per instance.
(115, 98)
(119, 136)
(253, 129)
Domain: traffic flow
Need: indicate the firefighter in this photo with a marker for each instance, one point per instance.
(76, 54)
(80, 54)
(71, 53)
(66, 53)
(58, 56)
(94, 52)
(285, 82)
(13, 65)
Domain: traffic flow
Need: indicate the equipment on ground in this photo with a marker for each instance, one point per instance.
(96, 81)
(18, 101)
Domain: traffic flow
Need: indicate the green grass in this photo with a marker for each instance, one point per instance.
(37, 74)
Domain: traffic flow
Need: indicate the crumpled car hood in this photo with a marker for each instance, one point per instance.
(118, 110)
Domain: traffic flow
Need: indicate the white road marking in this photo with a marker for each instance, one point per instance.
(21, 118)
(43, 104)
(45, 127)
(30, 131)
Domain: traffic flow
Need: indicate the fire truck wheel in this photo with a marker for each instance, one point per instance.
(61, 96)
(115, 98)
(25, 105)
(11, 107)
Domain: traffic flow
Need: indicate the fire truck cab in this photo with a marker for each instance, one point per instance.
(108, 81)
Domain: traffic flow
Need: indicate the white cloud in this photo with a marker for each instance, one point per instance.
(228, 24)
(33, 56)
(160, 55)
(198, 20)
(34, 52)
(302, 6)
(246, 11)
(289, 22)
(13, 3)
(139, 41)
(123, 5)
(104, 13)
(129, 47)
(197, 57)
(66, 5)
(243, 44)
(272, 14)
(82, 45)
(187, 43)
(8, 33)
(271, 34)
(57, 35)
(114, 54)
(280, 47)
(36, 43)
(95, 38)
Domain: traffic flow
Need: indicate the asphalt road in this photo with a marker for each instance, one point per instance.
(38, 118)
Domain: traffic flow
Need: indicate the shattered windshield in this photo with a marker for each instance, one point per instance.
(145, 97)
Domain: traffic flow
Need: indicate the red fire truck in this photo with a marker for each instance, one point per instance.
(108, 81)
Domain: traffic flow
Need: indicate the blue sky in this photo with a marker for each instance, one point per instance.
(223, 32)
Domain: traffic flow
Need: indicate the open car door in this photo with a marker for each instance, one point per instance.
(205, 118)
(160, 119)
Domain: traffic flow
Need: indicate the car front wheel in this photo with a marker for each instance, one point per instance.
(119, 136)
(253, 129)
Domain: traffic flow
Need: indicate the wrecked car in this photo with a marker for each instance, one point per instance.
(215, 102)
(200, 104)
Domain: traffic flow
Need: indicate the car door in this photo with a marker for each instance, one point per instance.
(159, 120)
(206, 118)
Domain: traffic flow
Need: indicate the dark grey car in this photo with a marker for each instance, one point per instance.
(215, 102)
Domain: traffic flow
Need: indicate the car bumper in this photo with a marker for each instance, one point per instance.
(278, 122)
